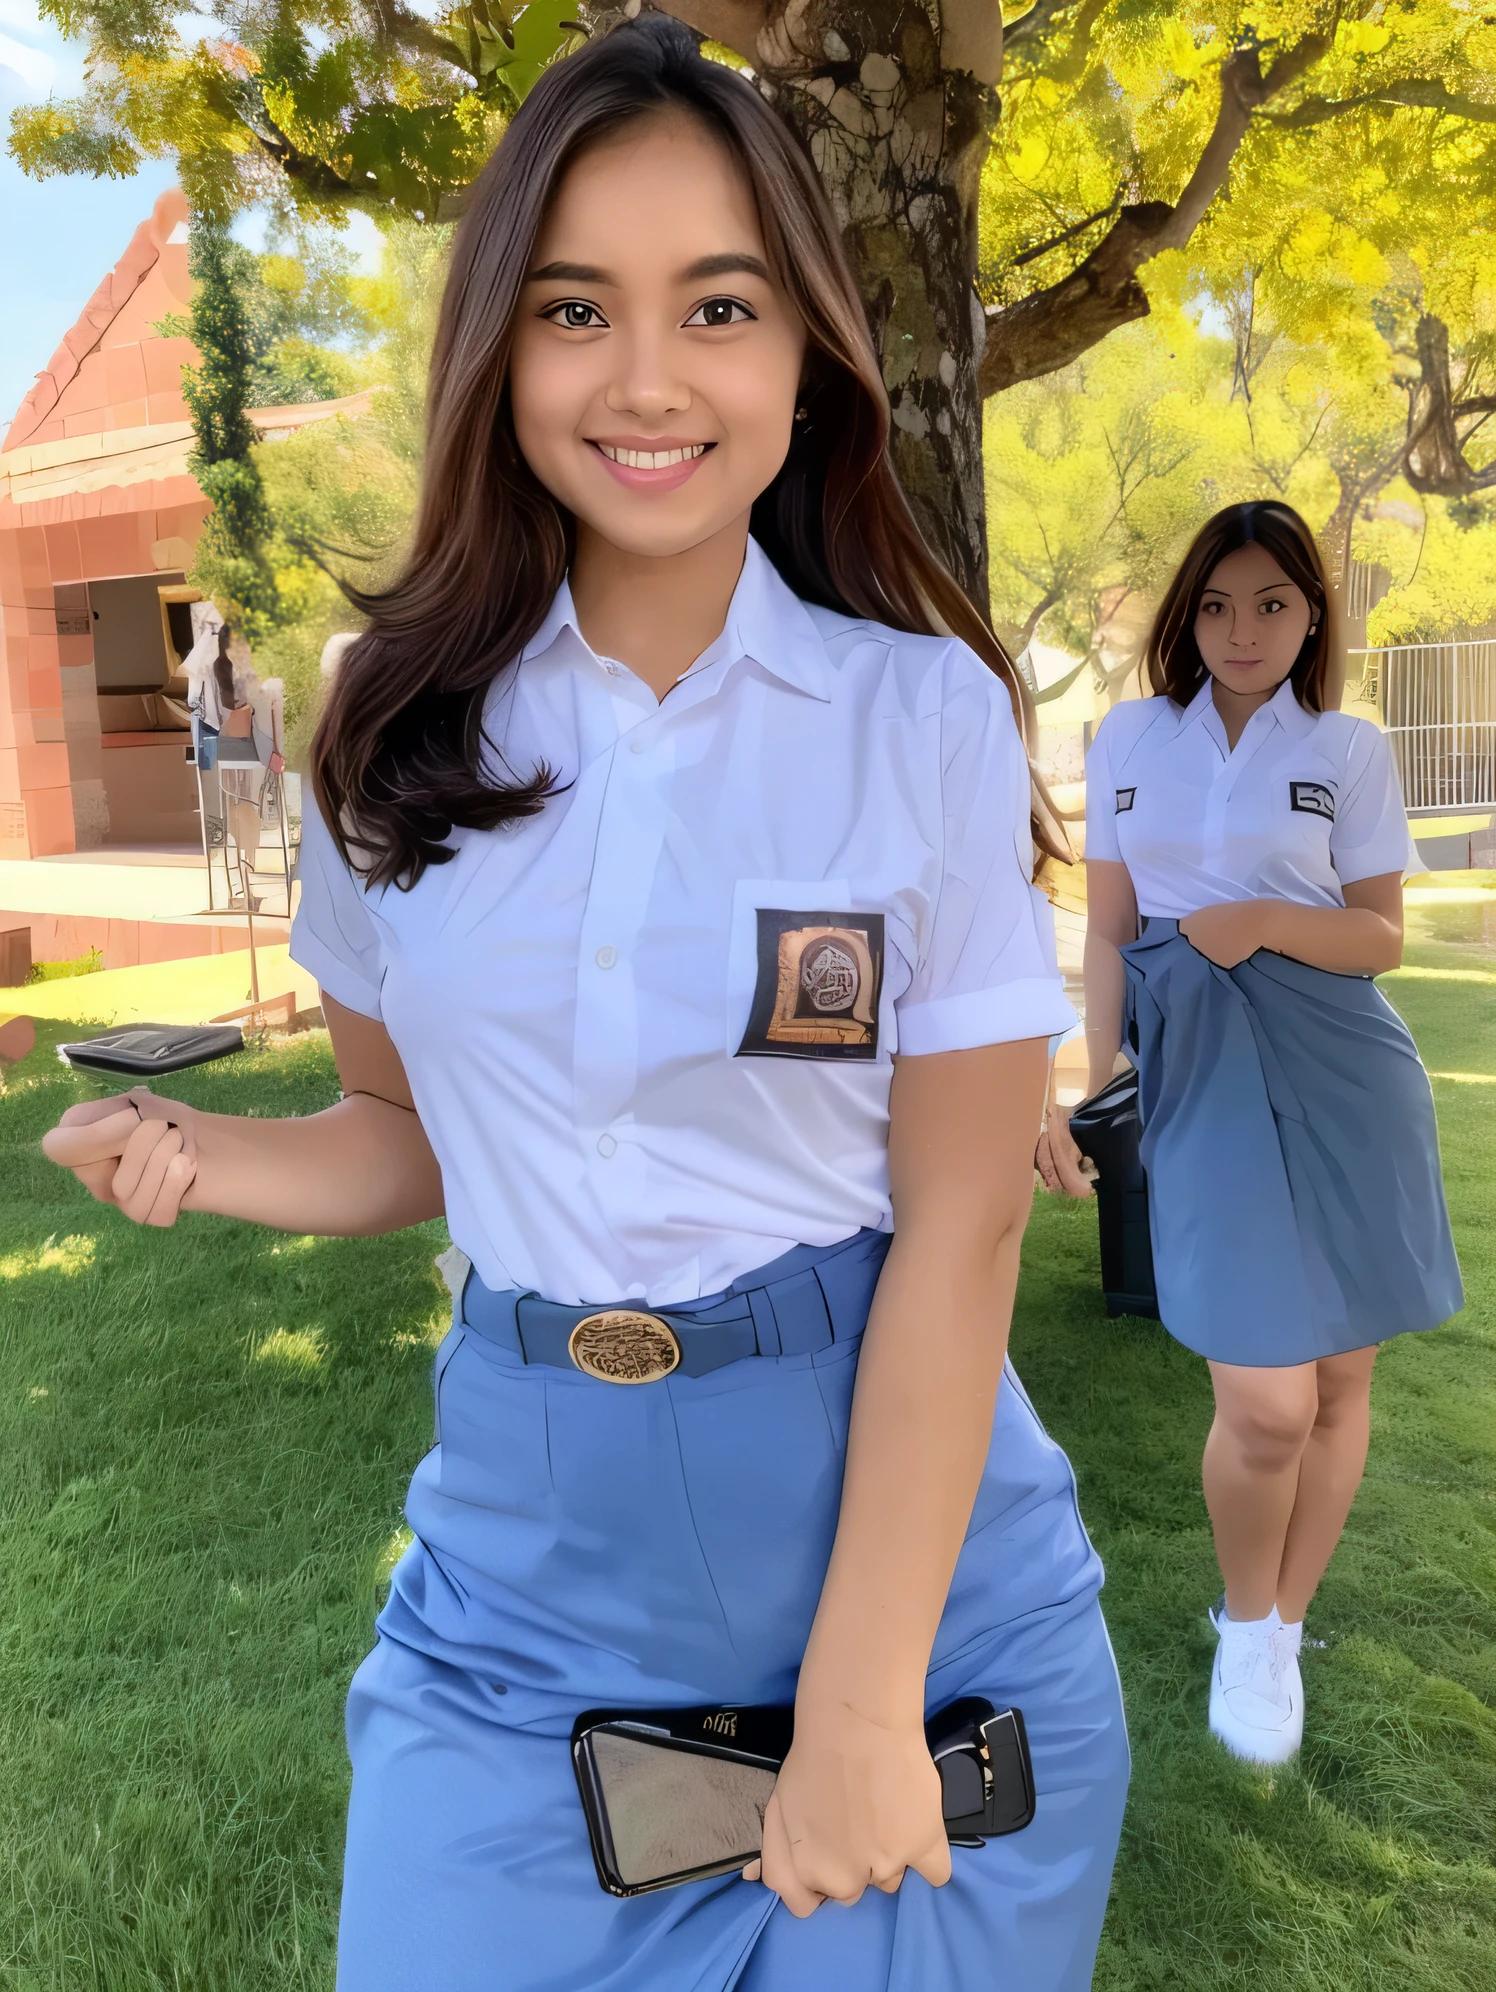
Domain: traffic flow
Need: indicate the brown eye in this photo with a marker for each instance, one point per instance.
(719, 311)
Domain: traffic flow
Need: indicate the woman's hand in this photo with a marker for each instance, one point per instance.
(1228, 934)
(133, 1151)
(856, 1804)
(1060, 1163)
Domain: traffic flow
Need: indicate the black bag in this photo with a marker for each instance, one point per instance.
(675, 1795)
(1106, 1127)
(141, 1050)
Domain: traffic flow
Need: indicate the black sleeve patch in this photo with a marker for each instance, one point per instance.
(1313, 799)
(1124, 799)
(819, 978)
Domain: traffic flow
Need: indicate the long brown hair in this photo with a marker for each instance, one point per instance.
(398, 755)
(1172, 656)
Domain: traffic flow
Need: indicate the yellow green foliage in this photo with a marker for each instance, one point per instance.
(343, 102)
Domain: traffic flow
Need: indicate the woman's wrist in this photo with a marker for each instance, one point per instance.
(888, 1693)
(828, 1713)
(1270, 925)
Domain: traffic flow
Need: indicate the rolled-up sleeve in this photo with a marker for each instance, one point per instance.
(1370, 835)
(987, 972)
(332, 936)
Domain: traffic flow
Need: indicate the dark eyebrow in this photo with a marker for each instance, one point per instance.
(731, 264)
(575, 273)
(1284, 583)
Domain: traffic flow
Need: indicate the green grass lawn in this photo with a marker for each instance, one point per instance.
(206, 1435)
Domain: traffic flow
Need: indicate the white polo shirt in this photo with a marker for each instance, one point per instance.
(644, 1063)
(1306, 804)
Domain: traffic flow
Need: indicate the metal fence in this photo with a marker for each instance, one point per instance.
(1438, 704)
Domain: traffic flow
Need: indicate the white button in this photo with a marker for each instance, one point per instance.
(610, 667)
(636, 746)
(605, 957)
(606, 1146)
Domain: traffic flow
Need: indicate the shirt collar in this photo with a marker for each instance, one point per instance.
(1283, 707)
(766, 621)
(1290, 715)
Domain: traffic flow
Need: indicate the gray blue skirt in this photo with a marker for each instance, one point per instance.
(1294, 1193)
(579, 1545)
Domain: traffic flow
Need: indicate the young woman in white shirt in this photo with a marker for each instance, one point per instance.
(656, 818)
(1258, 840)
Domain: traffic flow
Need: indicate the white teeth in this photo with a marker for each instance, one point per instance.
(651, 459)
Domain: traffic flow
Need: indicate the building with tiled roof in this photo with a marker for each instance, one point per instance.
(99, 517)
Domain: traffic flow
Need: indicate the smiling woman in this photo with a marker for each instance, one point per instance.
(633, 375)
(720, 1036)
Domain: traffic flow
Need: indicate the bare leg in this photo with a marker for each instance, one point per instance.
(1251, 1474)
(1329, 1474)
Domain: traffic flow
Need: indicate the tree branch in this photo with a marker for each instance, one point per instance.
(1066, 235)
(1433, 456)
(314, 175)
(1421, 93)
(1033, 25)
(1045, 332)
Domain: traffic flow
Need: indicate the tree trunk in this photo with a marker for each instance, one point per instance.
(899, 137)
(899, 144)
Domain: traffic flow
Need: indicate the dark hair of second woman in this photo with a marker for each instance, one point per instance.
(1172, 658)
(398, 757)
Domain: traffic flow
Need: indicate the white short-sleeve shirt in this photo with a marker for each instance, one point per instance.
(1306, 804)
(644, 1063)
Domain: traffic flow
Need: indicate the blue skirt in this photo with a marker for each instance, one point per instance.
(579, 1544)
(1294, 1193)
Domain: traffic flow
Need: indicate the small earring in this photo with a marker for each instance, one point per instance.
(802, 413)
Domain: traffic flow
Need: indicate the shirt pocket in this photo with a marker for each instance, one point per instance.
(790, 895)
(876, 951)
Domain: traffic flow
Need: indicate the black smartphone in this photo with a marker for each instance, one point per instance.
(675, 1795)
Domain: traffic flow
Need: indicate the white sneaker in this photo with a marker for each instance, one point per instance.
(1256, 1693)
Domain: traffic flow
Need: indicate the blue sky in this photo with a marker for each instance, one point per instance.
(59, 238)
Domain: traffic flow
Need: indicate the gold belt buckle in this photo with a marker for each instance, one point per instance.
(621, 1345)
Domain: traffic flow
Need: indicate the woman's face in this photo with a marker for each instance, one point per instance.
(1252, 621)
(656, 362)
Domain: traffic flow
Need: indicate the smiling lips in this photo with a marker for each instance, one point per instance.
(663, 468)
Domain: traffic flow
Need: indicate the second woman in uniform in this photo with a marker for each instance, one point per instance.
(1245, 851)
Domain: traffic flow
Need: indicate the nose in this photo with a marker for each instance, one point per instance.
(647, 383)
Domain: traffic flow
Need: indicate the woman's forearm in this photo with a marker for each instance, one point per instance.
(1348, 940)
(920, 1432)
(1105, 984)
(361, 1167)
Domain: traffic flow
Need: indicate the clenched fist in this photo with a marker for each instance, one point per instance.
(134, 1151)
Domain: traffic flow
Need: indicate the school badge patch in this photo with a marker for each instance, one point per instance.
(1124, 799)
(1313, 799)
(819, 977)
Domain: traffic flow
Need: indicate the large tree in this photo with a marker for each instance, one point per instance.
(1136, 127)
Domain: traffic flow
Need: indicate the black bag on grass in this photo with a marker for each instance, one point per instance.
(1106, 1127)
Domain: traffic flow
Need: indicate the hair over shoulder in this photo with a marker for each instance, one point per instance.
(398, 760)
